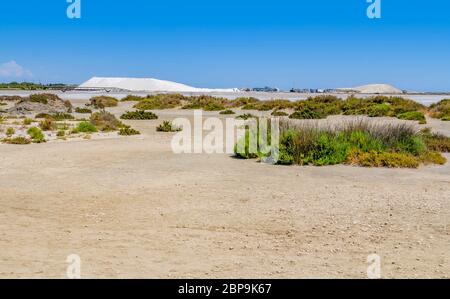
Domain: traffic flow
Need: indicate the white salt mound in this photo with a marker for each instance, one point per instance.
(374, 89)
(144, 84)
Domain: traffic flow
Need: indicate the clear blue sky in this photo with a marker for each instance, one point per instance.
(284, 43)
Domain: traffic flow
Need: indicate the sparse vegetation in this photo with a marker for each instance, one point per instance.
(47, 124)
(159, 102)
(83, 110)
(167, 126)
(17, 140)
(245, 116)
(84, 127)
(36, 135)
(105, 121)
(441, 110)
(139, 115)
(413, 115)
(103, 102)
(128, 131)
(227, 112)
(360, 142)
(278, 113)
(10, 131)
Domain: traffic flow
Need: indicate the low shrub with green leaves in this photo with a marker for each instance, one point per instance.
(85, 127)
(436, 142)
(104, 102)
(132, 98)
(10, 131)
(246, 116)
(160, 102)
(105, 121)
(128, 131)
(83, 110)
(441, 110)
(167, 126)
(207, 103)
(17, 140)
(139, 115)
(36, 135)
(55, 117)
(278, 113)
(360, 142)
(413, 115)
(227, 112)
(48, 125)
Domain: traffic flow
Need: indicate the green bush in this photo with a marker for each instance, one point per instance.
(36, 135)
(167, 126)
(10, 131)
(307, 113)
(132, 98)
(128, 131)
(441, 110)
(85, 127)
(378, 110)
(227, 112)
(47, 125)
(246, 116)
(160, 102)
(139, 115)
(17, 140)
(104, 102)
(413, 115)
(83, 110)
(279, 113)
(436, 142)
(359, 142)
(105, 121)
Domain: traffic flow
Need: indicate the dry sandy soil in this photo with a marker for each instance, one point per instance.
(130, 208)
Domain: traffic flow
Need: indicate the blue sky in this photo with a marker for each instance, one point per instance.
(284, 43)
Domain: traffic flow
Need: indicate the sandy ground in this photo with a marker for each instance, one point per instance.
(130, 208)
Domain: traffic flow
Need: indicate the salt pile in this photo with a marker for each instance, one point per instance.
(374, 89)
(144, 84)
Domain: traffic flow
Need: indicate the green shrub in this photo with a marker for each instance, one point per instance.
(307, 113)
(413, 115)
(432, 158)
(207, 103)
(139, 115)
(104, 102)
(384, 159)
(441, 110)
(39, 98)
(27, 121)
(160, 102)
(436, 142)
(85, 127)
(227, 112)
(279, 113)
(83, 110)
(61, 133)
(214, 107)
(17, 140)
(10, 131)
(167, 126)
(132, 98)
(105, 121)
(36, 135)
(47, 125)
(246, 116)
(128, 131)
(378, 110)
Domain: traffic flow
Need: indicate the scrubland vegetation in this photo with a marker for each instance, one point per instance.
(103, 102)
(139, 115)
(168, 126)
(441, 110)
(360, 142)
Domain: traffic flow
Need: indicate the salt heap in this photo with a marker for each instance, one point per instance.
(373, 89)
(144, 84)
